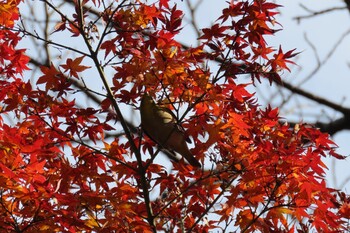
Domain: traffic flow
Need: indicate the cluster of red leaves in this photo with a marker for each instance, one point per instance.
(12, 61)
(258, 175)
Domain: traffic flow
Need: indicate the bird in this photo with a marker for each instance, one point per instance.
(161, 125)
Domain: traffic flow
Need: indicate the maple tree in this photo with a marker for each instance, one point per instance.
(66, 167)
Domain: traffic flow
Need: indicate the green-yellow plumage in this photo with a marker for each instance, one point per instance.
(160, 125)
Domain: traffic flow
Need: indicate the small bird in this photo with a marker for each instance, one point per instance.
(161, 125)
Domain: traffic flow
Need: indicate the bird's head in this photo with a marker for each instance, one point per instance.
(147, 103)
(147, 100)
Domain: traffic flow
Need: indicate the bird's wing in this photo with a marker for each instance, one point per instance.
(167, 115)
(170, 118)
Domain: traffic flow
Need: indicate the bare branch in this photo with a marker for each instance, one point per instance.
(316, 13)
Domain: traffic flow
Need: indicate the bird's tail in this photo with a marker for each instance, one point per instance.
(190, 158)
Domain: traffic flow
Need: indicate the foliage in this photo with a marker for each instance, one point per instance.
(60, 172)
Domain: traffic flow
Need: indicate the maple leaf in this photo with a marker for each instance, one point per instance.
(49, 77)
(281, 59)
(21, 60)
(109, 46)
(216, 31)
(73, 28)
(74, 66)
(60, 26)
